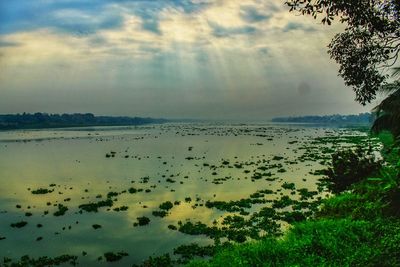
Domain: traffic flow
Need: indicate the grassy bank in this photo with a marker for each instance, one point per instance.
(358, 226)
(323, 242)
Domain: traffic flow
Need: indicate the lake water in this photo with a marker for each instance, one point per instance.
(174, 162)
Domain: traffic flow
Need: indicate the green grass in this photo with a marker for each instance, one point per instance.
(350, 205)
(325, 242)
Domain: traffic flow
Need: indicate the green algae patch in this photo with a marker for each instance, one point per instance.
(132, 190)
(283, 202)
(61, 210)
(160, 213)
(231, 206)
(122, 208)
(188, 252)
(289, 186)
(172, 227)
(41, 191)
(96, 226)
(42, 261)
(19, 224)
(112, 257)
(197, 228)
(112, 194)
(142, 221)
(94, 207)
(166, 205)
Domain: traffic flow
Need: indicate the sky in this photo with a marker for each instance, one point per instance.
(205, 59)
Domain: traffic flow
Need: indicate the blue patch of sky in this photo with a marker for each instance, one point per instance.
(26, 15)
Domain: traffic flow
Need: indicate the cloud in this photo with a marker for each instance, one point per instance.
(252, 14)
(97, 41)
(293, 26)
(144, 28)
(263, 50)
(151, 25)
(244, 54)
(220, 31)
(78, 22)
(4, 43)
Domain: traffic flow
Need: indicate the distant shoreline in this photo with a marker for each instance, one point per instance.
(38, 121)
(52, 121)
(362, 118)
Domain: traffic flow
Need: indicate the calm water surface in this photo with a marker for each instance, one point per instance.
(176, 158)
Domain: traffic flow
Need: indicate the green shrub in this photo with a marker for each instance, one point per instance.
(349, 167)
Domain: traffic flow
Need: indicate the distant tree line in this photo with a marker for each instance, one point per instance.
(44, 120)
(362, 118)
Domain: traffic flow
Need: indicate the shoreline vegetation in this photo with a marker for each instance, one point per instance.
(362, 118)
(44, 120)
(41, 120)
